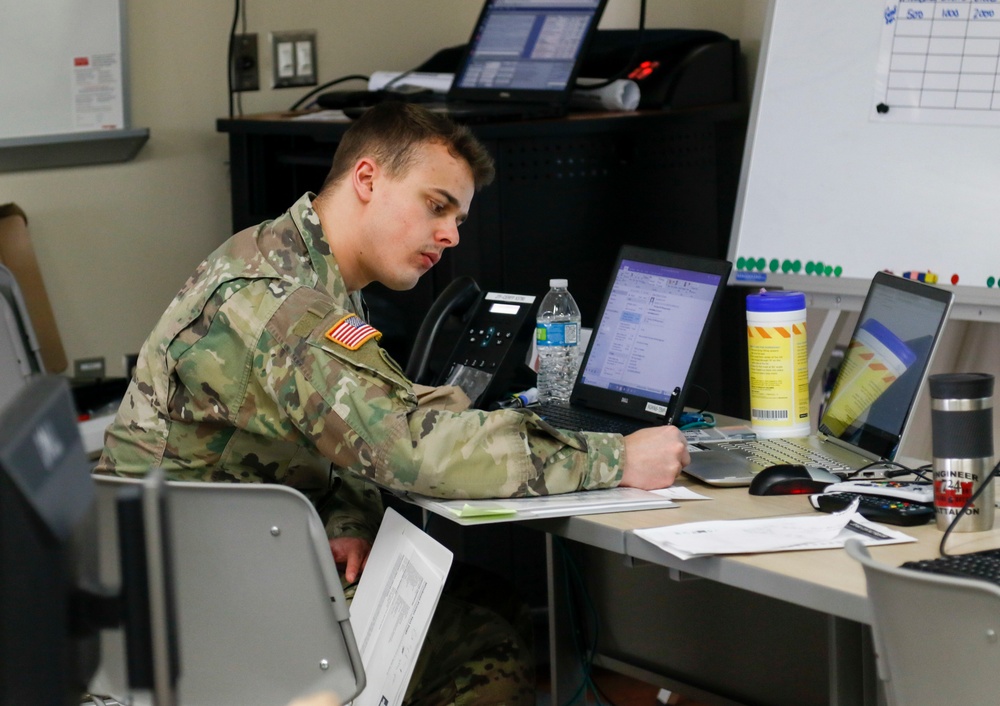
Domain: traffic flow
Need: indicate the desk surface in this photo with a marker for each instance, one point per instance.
(315, 124)
(825, 580)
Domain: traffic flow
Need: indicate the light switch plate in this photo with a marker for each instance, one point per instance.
(294, 58)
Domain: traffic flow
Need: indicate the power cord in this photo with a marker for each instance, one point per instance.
(901, 470)
(334, 82)
(585, 652)
(696, 420)
(229, 54)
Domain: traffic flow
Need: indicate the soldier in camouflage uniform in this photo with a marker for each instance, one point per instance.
(263, 369)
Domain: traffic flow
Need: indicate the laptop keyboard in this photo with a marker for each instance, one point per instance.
(770, 452)
(984, 565)
(575, 419)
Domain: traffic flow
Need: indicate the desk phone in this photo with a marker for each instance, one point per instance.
(495, 341)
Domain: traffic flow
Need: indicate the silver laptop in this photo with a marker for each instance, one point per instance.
(873, 398)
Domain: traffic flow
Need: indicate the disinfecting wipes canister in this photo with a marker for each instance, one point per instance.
(779, 374)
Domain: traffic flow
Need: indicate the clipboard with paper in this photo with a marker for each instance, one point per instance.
(587, 502)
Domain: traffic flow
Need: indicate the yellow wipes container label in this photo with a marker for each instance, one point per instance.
(875, 359)
(779, 378)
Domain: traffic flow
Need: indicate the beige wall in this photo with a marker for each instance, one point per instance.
(115, 242)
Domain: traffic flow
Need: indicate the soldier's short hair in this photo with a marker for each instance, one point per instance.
(391, 131)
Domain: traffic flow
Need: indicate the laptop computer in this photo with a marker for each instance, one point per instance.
(873, 398)
(643, 352)
(521, 61)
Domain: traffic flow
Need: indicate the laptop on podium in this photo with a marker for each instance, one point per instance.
(651, 328)
(521, 61)
(873, 397)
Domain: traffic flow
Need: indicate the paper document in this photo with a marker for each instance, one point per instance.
(439, 83)
(393, 606)
(322, 116)
(585, 502)
(773, 534)
(679, 492)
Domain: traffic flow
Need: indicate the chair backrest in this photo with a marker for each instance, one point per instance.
(937, 638)
(18, 255)
(20, 356)
(260, 611)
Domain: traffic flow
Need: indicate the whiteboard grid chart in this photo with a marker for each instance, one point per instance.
(939, 62)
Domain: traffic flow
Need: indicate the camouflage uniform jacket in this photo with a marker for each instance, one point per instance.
(242, 381)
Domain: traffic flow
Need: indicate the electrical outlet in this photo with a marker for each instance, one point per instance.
(129, 362)
(294, 58)
(88, 369)
(245, 68)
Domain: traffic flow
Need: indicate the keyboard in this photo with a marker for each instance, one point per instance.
(771, 452)
(984, 565)
(576, 419)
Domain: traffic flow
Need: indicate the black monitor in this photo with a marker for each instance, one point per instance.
(51, 605)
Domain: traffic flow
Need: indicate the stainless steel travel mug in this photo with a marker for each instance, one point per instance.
(962, 441)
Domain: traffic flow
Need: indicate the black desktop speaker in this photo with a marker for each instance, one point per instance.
(674, 68)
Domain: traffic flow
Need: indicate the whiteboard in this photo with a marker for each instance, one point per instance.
(828, 179)
(62, 68)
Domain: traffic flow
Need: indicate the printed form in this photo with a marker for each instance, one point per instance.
(393, 606)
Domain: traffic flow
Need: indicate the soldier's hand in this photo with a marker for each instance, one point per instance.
(350, 555)
(323, 698)
(654, 457)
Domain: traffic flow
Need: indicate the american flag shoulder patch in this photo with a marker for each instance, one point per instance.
(351, 332)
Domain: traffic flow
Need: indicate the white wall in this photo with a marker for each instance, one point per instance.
(116, 242)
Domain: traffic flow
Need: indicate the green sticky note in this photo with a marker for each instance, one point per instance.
(483, 510)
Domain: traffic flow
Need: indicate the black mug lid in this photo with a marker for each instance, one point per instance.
(961, 386)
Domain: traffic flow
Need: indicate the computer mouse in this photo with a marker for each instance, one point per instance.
(791, 479)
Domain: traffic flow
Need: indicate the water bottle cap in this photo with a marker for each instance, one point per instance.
(778, 300)
(559, 283)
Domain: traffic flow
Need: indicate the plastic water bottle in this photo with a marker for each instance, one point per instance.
(557, 337)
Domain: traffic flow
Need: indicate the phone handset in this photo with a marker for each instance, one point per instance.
(455, 300)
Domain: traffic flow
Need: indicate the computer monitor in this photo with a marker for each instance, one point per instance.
(51, 604)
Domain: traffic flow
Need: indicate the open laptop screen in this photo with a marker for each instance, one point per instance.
(648, 335)
(529, 46)
(885, 364)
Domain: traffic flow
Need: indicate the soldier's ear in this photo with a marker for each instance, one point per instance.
(363, 178)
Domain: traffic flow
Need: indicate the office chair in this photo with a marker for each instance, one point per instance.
(937, 638)
(20, 355)
(261, 616)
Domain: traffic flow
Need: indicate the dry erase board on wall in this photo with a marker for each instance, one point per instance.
(874, 143)
(64, 84)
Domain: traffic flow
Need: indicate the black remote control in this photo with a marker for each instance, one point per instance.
(891, 511)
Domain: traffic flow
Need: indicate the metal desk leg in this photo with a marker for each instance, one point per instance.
(853, 677)
(566, 671)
